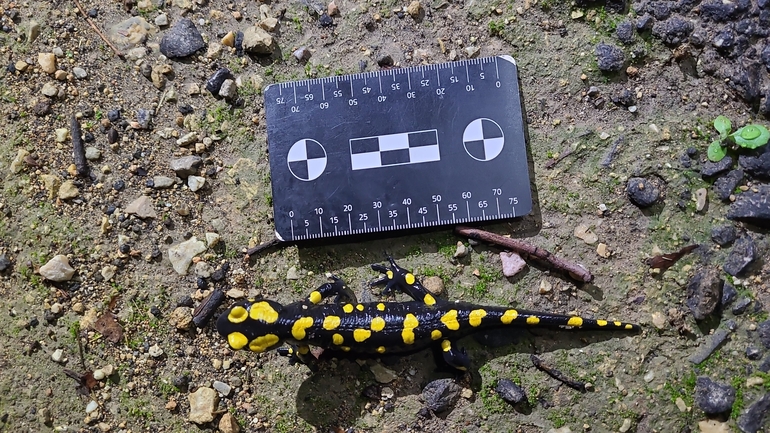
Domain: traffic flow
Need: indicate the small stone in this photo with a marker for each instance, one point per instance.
(382, 374)
(214, 83)
(68, 190)
(764, 333)
(186, 165)
(725, 185)
(545, 287)
(79, 73)
(626, 426)
(142, 207)
(701, 197)
(387, 393)
(713, 426)
(195, 183)
(257, 41)
(229, 90)
(99, 374)
(269, 24)
(415, 10)
(753, 353)
(603, 250)
(161, 20)
(741, 306)
(46, 417)
(92, 406)
(752, 419)
(229, 424)
(50, 89)
(752, 206)
(712, 397)
(704, 293)
(93, 153)
(182, 40)
(108, 272)
(181, 318)
(292, 273)
(512, 263)
(711, 169)
(228, 40)
(642, 192)
(609, 57)
(741, 256)
(155, 351)
(712, 343)
(681, 405)
(203, 405)
(302, 54)
(57, 355)
(47, 62)
(754, 381)
(659, 320)
(57, 269)
(440, 395)
(461, 250)
(332, 9)
(181, 255)
(649, 376)
(162, 182)
(723, 235)
(212, 239)
(61, 135)
(325, 20)
(510, 392)
(222, 387)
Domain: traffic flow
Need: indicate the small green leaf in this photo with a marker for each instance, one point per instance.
(751, 136)
(723, 125)
(716, 151)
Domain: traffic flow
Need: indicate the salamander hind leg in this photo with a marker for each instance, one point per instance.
(398, 278)
(336, 287)
(299, 354)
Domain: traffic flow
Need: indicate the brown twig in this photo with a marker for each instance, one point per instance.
(575, 270)
(558, 375)
(261, 247)
(99, 32)
(552, 162)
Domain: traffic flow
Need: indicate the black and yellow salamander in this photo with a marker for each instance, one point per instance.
(378, 327)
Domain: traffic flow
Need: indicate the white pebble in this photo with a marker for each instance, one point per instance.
(92, 406)
(57, 355)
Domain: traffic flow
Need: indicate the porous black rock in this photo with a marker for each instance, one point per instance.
(725, 185)
(723, 235)
(673, 31)
(719, 11)
(756, 166)
(644, 23)
(743, 253)
(704, 293)
(642, 192)
(712, 397)
(441, 394)
(724, 39)
(753, 353)
(711, 169)
(182, 40)
(609, 57)
(625, 32)
(5, 263)
(764, 333)
(753, 418)
(752, 206)
(510, 392)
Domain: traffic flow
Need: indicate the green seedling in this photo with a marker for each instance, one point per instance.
(749, 137)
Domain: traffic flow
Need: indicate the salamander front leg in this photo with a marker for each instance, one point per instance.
(398, 278)
(335, 287)
(301, 354)
(455, 357)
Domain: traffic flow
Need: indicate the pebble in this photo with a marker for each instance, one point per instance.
(292, 273)
(203, 405)
(752, 419)
(257, 41)
(625, 32)
(712, 397)
(57, 355)
(93, 153)
(659, 320)
(47, 62)
(162, 182)
(229, 424)
(626, 426)
(195, 183)
(57, 269)
(142, 207)
(461, 250)
(332, 9)
(181, 318)
(155, 351)
(673, 31)
(713, 426)
(92, 406)
(701, 199)
(182, 40)
(642, 192)
(649, 376)
(434, 285)
(609, 57)
(325, 20)
(723, 235)
(270, 24)
(764, 333)
(741, 256)
(382, 374)
(512, 263)
(741, 306)
(214, 83)
(725, 185)
(181, 255)
(754, 381)
(711, 169)
(229, 90)
(510, 392)
(68, 190)
(440, 395)
(186, 165)
(603, 250)
(50, 89)
(302, 54)
(222, 387)
(212, 239)
(757, 166)
(161, 20)
(46, 417)
(415, 10)
(79, 73)
(704, 293)
(752, 206)
(387, 393)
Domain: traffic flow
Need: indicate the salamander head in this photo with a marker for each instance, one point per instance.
(251, 324)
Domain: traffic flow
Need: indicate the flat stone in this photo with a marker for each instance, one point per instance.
(723, 235)
(583, 232)
(713, 426)
(712, 343)
(292, 273)
(214, 83)
(57, 269)
(257, 41)
(186, 165)
(704, 292)
(142, 207)
(57, 355)
(162, 182)
(725, 185)
(181, 255)
(701, 199)
(711, 169)
(712, 397)
(229, 424)
(609, 57)
(68, 190)
(182, 40)
(195, 183)
(743, 253)
(434, 285)
(441, 395)
(461, 250)
(510, 392)
(161, 20)
(752, 206)
(512, 263)
(212, 239)
(383, 374)
(155, 351)
(79, 73)
(229, 90)
(757, 166)
(203, 405)
(47, 62)
(50, 89)
(752, 419)
(222, 387)
(93, 153)
(269, 24)
(181, 318)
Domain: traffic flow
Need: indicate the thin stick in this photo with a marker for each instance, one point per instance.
(261, 247)
(558, 375)
(575, 270)
(99, 32)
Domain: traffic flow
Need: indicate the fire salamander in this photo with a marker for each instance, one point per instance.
(378, 327)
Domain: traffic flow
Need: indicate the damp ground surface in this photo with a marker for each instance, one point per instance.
(111, 346)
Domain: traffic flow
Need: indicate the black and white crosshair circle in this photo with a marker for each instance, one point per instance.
(306, 159)
(483, 139)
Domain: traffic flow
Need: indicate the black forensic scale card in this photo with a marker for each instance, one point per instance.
(397, 149)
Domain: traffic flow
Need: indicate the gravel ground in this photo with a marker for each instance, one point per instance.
(105, 252)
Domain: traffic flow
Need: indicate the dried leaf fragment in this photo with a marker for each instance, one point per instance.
(665, 261)
(108, 326)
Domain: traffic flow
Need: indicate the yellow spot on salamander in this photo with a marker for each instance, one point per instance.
(263, 311)
(629, 326)
(237, 340)
(378, 324)
(617, 323)
(381, 306)
(299, 327)
(575, 321)
(409, 278)
(360, 335)
(509, 316)
(410, 322)
(449, 319)
(360, 307)
(532, 320)
(389, 274)
(435, 335)
(315, 296)
(260, 344)
(331, 322)
(303, 350)
(238, 314)
(381, 349)
(475, 317)
(446, 345)
(429, 299)
(601, 322)
(348, 308)
(337, 339)
(345, 348)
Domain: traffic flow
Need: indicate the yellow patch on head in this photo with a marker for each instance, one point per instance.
(449, 319)
(378, 324)
(348, 308)
(381, 306)
(410, 322)
(446, 345)
(237, 341)
(389, 274)
(381, 349)
(260, 344)
(409, 278)
(617, 323)
(360, 307)
(331, 322)
(429, 299)
(315, 296)
(601, 322)
(237, 315)
(475, 317)
(263, 311)
(532, 320)
(337, 339)
(435, 334)
(299, 327)
(575, 321)
(361, 335)
(509, 316)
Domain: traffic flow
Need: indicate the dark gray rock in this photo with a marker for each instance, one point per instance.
(709, 346)
(510, 392)
(661, 9)
(4, 263)
(440, 395)
(728, 294)
(144, 118)
(186, 165)
(746, 80)
(764, 333)
(744, 252)
(766, 56)
(725, 185)
(642, 192)
(113, 115)
(723, 235)
(713, 397)
(752, 207)
(741, 306)
(718, 11)
(644, 23)
(609, 57)
(625, 32)
(214, 83)
(182, 40)
(625, 98)
(757, 166)
(724, 39)
(753, 353)
(672, 31)
(711, 169)
(752, 419)
(710, 61)
(704, 292)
